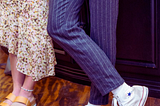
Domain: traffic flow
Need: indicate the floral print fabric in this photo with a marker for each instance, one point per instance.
(23, 30)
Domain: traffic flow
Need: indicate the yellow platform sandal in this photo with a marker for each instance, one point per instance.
(20, 100)
(10, 97)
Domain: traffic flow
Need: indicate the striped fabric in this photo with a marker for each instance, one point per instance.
(63, 28)
(103, 19)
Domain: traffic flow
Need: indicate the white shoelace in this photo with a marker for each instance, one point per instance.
(114, 102)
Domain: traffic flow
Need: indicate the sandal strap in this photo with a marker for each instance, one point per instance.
(11, 97)
(23, 100)
(33, 103)
(4, 104)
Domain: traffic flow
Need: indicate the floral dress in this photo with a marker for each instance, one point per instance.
(23, 30)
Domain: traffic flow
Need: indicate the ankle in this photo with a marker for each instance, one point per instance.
(26, 93)
(28, 90)
(121, 89)
(16, 91)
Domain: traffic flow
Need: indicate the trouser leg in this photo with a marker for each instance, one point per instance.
(103, 19)
(63, 28)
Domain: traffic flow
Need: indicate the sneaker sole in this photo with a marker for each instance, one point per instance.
(144, 96)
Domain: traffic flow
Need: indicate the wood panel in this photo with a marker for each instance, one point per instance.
(138, 43)
(136, 30)
(137, 38)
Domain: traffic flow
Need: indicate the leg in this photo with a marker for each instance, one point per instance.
(17, 81)
(103, 18)
(27, 85)
(63, 28)
(20, 81)
(96, 97)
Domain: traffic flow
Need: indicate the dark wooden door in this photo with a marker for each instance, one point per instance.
(138, 43)
(138, 46)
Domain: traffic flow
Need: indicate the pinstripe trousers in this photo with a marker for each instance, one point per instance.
(94, 54)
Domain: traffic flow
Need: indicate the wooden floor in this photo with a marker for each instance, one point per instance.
(53, 91)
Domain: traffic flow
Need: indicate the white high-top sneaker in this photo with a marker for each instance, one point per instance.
(136, 96)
